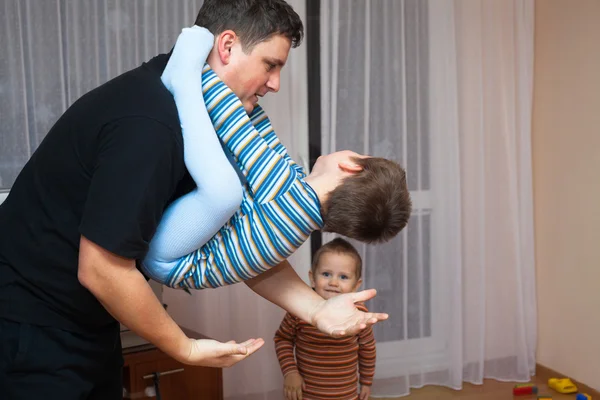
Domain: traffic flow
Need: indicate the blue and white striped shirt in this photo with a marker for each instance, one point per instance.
(279, 209)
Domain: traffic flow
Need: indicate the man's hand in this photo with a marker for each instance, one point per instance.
(365, 392)
(126, 295)
(210, 353)
(338, 316)
(293, 385)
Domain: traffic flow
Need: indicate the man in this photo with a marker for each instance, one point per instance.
(87, 203)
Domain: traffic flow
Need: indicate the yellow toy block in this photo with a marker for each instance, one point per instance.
(562, 385)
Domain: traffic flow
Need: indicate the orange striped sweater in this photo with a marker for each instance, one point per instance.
(327, 365)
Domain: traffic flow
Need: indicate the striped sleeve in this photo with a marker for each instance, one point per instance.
(279, 210)
(266, 170)
(258, 240)
(366, 353)
(265, 129)
(285, 341)
(261, 238)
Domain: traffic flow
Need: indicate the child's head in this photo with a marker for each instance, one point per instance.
(363, 198)
(336, 269)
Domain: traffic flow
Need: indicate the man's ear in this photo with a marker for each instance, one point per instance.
(225, 42)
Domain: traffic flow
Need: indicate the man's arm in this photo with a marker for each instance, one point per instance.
(337, 316)
(135, 172)
(126, 295)
(282, 286)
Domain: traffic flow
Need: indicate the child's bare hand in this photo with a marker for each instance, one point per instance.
(338, 316)
(365, 392)
(293, 386)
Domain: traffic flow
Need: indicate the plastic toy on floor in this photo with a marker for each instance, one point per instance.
(523, 390)
(583, 396)
(562, 385)
(544, 398)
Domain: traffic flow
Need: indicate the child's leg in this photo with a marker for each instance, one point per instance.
(193, 219)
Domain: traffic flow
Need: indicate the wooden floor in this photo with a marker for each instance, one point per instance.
(490, 390)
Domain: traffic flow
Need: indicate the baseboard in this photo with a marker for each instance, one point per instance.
(546, 373)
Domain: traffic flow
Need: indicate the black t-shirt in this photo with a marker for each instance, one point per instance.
(106, 170)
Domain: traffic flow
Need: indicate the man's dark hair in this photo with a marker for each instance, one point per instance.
(254, 21)
(370, 206)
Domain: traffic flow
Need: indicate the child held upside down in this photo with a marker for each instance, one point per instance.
(359, 197)
(325, 367)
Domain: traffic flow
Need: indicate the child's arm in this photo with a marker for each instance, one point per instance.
(366, 357)
(193, 219)
(263, 125)
(285, 341)
(266, 168)
(281, 210)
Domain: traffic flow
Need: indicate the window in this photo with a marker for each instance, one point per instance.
(376, 92)
(54, 51)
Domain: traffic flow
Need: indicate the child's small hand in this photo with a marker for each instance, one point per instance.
(293, 385)
(365, 392)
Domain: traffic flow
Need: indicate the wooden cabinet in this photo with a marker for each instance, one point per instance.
(176, 381)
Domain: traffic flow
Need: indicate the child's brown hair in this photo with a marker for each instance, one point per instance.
(338, 246)
(370, 206)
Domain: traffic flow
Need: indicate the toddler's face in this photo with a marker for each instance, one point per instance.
(335, 274)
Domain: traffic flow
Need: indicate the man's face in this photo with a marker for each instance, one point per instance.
(253, 74)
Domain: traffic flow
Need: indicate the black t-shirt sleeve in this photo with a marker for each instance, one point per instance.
(138, 165)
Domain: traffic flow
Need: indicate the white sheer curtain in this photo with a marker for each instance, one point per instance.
(53, 51)
(445, 88)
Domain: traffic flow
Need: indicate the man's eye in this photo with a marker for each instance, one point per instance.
(270, 66)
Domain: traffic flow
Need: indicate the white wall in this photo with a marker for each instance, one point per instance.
(566, 161)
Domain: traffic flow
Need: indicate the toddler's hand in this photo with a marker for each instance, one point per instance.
(293, 385)
(365, 392)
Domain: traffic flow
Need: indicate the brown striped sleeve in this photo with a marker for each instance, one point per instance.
(366, 353)
(285, 340)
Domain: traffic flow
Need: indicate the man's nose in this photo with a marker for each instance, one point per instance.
(274, 82)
